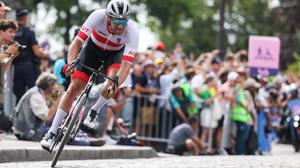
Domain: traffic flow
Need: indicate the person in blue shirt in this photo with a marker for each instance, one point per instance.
(58, 68)
(180, 104)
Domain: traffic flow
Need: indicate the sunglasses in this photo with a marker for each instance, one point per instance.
(119, 21)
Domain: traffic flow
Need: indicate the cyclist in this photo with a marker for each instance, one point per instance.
(111, 40)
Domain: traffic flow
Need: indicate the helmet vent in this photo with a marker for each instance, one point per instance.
(121, 10)
(120, 7)
(113, 8)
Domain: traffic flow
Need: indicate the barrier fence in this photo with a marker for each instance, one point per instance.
(153, 119)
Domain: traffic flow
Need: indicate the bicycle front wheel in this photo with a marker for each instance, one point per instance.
(66, 136)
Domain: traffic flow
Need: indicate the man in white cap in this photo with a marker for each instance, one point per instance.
(227, 96)
(3, 10)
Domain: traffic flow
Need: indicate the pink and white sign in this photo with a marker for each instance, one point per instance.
(264, 52)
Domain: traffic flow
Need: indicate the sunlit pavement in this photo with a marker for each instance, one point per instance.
(282, 156)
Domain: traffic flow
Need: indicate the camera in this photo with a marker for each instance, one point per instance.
(20, 46)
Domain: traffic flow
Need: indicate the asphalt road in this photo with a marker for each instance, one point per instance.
(281, 157)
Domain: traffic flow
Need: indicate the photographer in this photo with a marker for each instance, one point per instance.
(33, 112)
(8, 50)
(27, 64)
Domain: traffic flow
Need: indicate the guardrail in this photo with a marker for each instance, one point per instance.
(153, 121)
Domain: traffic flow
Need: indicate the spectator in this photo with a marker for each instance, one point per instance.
(3, 10)
(240, 115)
(159, 50)
(146, 86)
(180, 105)
(226, 92)
(264, 119)
(215, 69)
(208, 120)
(45, 65)
(32, 111)
(183, 138)
(228, 64)
(166, 79)
(9, 50)
(148, 83)
(186, 86)
(27, 64)
(58, 67)
(251, 88)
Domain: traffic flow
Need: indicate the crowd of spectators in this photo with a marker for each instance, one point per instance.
(238, 112)
(216, 106)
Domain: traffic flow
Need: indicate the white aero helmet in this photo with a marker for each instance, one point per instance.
(119, 9)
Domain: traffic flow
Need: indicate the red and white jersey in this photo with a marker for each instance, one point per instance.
(96, 27)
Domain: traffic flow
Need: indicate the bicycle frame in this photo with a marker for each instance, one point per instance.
(73, 121)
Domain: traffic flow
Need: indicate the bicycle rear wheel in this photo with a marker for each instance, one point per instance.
(66, 136)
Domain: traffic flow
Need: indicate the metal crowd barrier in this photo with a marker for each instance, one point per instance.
(152, 121)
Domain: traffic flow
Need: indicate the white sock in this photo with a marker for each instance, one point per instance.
(59, 117)
(99, 104)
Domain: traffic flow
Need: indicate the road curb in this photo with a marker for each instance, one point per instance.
(19, 155)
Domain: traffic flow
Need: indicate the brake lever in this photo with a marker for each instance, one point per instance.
(116, 83)
(76, 61)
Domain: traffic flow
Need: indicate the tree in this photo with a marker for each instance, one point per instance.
(69, 13)
(195, 23)
(188, 22)
(289, 13)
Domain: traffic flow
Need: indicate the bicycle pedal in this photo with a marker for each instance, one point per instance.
(47, 149)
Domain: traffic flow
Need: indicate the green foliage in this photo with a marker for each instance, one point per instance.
(194, 23)
(188, 22)
(295, 66)
(244, 16)
(251, 18)
(65, 17)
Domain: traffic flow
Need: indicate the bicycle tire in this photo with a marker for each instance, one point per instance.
(70, 127)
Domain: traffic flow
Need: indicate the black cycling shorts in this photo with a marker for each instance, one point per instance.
(93, 56)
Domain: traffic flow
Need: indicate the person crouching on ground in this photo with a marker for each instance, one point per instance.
(32, 111)
(183, 138)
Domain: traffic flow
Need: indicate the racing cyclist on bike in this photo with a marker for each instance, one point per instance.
(111, 40)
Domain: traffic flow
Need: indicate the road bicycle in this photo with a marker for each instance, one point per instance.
(72, 123)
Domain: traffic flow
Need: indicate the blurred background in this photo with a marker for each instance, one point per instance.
(200, 25)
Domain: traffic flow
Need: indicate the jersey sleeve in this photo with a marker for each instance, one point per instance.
(132, 44)
(89, 25)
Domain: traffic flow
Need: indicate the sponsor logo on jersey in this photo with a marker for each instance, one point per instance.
(131, 53)
(84, 29)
